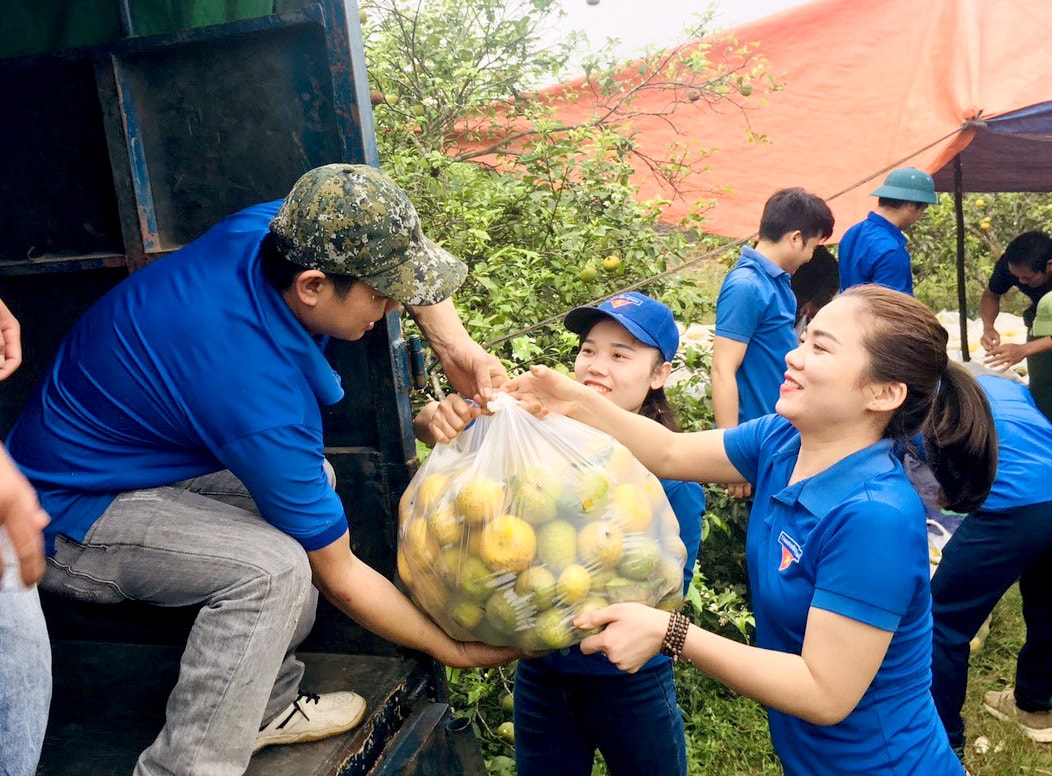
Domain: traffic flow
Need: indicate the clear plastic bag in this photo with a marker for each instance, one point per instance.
(520, 524)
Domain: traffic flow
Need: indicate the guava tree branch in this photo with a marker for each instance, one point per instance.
(617, 101)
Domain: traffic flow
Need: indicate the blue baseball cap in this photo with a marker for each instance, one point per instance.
(646, 319)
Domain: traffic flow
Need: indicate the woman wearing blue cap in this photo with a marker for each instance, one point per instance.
(836, 545)
(568, 704)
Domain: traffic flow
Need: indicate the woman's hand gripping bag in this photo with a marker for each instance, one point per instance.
(520, 524)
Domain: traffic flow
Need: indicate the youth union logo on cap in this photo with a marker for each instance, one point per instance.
(791, 551)
(621, 301)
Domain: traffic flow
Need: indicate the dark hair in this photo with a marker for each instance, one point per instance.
(1030, 249)
(280, 273)
(816, 282)
(906, 343)
(897, 204)
(656, 407)
(790, 209)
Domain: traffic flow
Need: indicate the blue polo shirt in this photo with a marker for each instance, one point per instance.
(874, 251)
(756, 306)
(1024, 441)
(850, 540)
(687, 500)
(190, 365)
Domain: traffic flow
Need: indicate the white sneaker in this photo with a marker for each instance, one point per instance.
(313, 717)
(1037, 725)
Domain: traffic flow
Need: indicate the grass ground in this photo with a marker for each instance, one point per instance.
(1009, 752)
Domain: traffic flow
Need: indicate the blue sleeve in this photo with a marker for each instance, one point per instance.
(739, 308)
(892, 269)
(282, 469)
(868, 562)
(688, 502)
(846, 262)
(743, 444)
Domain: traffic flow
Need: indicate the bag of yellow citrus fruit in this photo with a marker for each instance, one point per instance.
(520, 524)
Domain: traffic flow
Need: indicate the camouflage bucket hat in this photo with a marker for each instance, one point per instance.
(351, 219)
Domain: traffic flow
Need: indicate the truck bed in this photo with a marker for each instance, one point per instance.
(101, 719)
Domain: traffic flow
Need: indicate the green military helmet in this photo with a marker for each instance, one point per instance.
(351, 219)
(1042, 325)
(909, 185)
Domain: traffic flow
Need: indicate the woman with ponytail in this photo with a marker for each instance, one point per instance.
(836, 545)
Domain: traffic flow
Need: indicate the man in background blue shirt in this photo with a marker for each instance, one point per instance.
(1008, 538)
(756, 309)
(874, 250)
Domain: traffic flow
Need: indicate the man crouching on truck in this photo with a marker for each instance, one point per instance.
(177, 444)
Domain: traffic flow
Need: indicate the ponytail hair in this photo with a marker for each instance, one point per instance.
(960, 441)
(656, 406)
(906, 344)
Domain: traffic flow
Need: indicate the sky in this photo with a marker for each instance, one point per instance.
(641, 23)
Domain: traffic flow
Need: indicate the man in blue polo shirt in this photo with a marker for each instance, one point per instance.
(1008, 538)
(756, 309)
(176, 442)
(874, 250)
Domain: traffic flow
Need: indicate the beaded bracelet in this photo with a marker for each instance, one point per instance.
(675, 636)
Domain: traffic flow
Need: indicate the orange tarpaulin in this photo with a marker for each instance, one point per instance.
(867, 87)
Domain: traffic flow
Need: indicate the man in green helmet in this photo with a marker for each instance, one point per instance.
(177, 444)
(874, 250)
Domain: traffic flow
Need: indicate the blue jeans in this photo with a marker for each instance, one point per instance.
(202, 542)
(985, 555)
(25, 681)
(632, 719)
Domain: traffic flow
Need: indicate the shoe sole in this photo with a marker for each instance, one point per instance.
(1040, 736)
(304, 738)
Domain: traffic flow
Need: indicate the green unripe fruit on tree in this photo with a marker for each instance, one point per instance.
(506, 731)
(588, 273)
